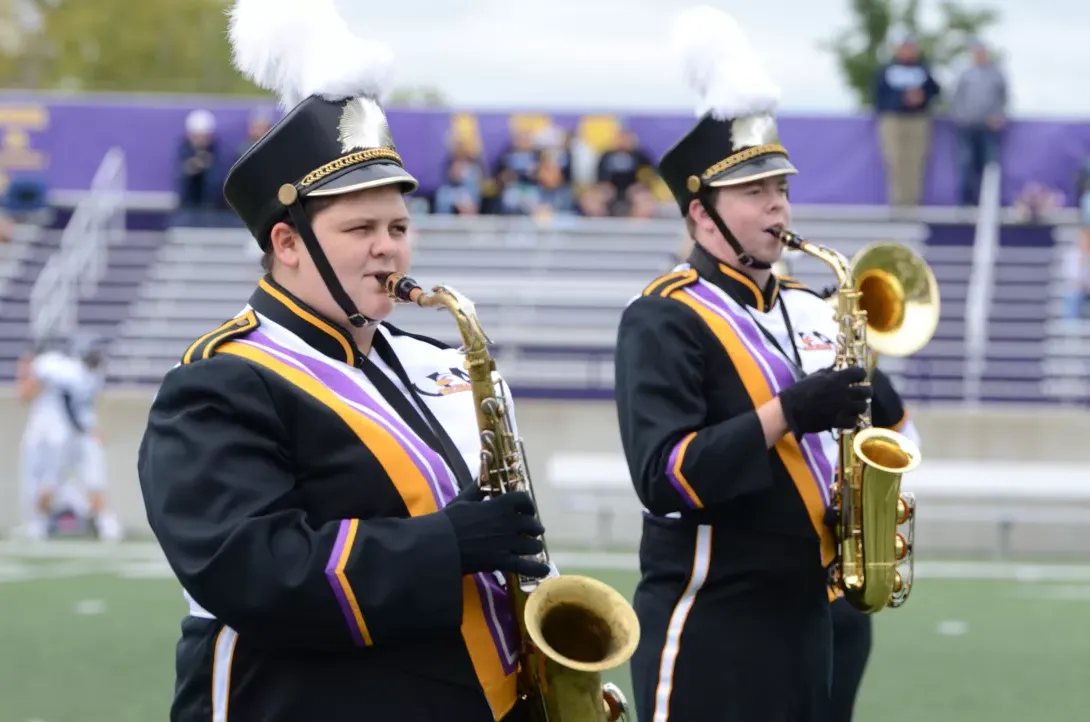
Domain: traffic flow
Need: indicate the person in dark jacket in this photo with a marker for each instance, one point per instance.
(904, 92)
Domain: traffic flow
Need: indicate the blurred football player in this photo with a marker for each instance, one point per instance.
(85, 460)
(61, 440)
(41, 436)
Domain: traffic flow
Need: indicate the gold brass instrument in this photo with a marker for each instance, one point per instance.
(887, 301)
(571, 628)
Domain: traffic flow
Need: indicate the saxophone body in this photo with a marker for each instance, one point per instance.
(879, 290)
(571, 628)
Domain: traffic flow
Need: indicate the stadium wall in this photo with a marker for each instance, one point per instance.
(1036, 438)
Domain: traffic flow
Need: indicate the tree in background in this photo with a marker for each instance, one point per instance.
(122, 45)
(862, 49)
(148, 46)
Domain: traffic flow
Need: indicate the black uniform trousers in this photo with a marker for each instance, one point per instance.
(291, 685)
(735, 626)
(852, 640)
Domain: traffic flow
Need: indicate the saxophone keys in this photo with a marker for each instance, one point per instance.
(900, 546)
(904, 510)
(614, 703)
(898, 583)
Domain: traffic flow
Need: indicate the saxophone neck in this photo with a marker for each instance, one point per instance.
(835, 261)
(404, 289)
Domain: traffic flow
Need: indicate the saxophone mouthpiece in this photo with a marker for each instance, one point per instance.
(400, 287)
(789, 239)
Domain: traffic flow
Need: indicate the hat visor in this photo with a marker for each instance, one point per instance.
(363, 177)
(765, 166)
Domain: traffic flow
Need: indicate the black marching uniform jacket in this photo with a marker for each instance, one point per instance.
(734, 595)
(292, 488)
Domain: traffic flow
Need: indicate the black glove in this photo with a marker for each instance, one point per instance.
(495, 534)
(825, 400)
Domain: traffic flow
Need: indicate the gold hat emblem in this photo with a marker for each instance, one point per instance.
(363, 126)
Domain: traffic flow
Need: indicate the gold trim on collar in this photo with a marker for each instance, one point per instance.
(741, 157)
(347, 161)
(314, 321)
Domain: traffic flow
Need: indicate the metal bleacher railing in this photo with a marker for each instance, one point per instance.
(75, 269)
(978, 297)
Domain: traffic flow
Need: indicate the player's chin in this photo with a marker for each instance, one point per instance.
(770, 249)
(375, 304)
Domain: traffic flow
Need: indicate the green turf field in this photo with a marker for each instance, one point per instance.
(91, 640)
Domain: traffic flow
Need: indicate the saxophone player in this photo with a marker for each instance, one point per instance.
(309, 469)
(726, 407)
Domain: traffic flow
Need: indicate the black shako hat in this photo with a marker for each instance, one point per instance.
(716, 153)
(735, 139)
(334, 138)
(320, 148)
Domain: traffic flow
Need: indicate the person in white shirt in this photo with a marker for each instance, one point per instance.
(61, 440)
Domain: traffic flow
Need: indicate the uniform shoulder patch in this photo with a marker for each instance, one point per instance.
(205, 346)
(665, 285)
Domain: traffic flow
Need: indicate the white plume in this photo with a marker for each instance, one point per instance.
(299, 48)
(720, 65)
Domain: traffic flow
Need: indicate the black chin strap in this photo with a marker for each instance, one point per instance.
(302, 227)
(705, 198)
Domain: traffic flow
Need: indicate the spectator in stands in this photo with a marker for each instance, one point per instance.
(593, 202)
(197, 157)
(641, 202)
(1077, 277)
(7, 228)
(516, 176)
(1077, 260)
(26, 200)
(979, 111)
(258, 125)
(563, 154)
(466, 181)
(554, 192)
(461, 194)
(904, 92)
(518, 162)
(619, 169)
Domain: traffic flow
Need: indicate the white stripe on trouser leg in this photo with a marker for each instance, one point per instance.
(221, 672)
(702, 557)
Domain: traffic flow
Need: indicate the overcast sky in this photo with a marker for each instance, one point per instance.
(507, 53)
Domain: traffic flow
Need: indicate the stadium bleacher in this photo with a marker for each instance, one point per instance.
(550, 296)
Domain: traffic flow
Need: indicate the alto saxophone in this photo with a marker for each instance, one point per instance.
(571, 628)
(875, 561)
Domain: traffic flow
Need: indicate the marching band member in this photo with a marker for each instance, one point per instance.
(726, 403)
(300, 468)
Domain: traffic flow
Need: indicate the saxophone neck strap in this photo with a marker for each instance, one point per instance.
(420, 419)
(796, 358)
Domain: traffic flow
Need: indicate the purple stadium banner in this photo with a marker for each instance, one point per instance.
(65, 137)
